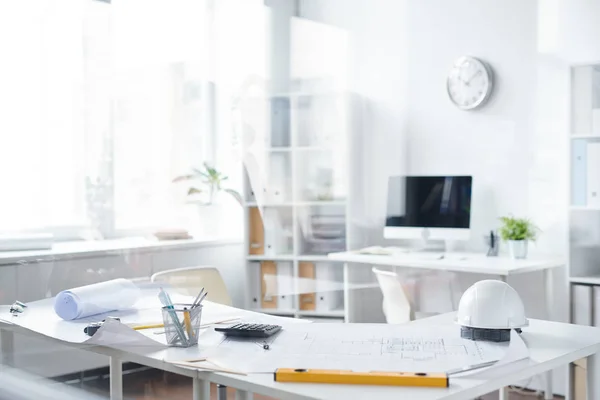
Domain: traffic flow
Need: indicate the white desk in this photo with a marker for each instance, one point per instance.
(501, 267)
(550, 345)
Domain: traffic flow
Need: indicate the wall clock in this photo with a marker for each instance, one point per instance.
(470, 83)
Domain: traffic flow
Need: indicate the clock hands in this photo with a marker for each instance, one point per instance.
(473, 77)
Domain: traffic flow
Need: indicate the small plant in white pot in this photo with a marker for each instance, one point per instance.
(518, 232)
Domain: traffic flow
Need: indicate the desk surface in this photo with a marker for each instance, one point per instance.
(551, 344)
(455, 262)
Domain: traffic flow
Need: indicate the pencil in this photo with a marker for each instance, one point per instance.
(142, 327)
(188, 323)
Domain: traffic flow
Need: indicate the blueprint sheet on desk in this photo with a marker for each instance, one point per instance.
(360, 347)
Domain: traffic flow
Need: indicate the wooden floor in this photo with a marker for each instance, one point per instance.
(157, 385)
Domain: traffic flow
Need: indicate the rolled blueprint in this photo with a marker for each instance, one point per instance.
(81, 302)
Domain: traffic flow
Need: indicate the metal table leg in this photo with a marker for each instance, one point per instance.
(503, 393)
(116, 379)
(593, 377)
(243, 395)
(7, 347)
(200, 389)
(221, 392)
(549, 291)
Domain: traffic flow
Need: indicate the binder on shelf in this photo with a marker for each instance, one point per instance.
(274, 235)
(596, 306)
(255, 282)
(280, 122)
(278, 176)
(285, 285)
(582, 305)
(268, 276)
(593, 174)
(596, 121)
(256, 232)
(307, 301)
(328, 292)
(579, 172)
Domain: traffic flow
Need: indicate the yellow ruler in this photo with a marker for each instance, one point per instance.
(345, 377)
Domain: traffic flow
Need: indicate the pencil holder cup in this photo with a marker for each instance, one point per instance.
(182, 324)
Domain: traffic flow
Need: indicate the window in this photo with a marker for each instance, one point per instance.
(103, 103)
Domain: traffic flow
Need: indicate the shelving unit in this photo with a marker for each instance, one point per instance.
(584, 210)
(298, 195)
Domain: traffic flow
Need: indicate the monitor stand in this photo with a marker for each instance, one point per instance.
(428, 245)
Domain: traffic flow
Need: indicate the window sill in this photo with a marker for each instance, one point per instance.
(100, 248)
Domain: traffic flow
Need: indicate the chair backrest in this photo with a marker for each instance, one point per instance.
(396, 306)
(189, 281)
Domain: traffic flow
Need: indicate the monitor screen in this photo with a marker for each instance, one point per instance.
(429, 202)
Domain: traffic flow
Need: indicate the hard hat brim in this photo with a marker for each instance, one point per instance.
(512, 326)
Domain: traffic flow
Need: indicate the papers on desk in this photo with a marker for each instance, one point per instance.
(362, 347)
(81, 302)
(40, 318)
(517, 352)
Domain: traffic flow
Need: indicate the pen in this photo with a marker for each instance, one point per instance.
(197, 297)
(165, 299)
(201, 299)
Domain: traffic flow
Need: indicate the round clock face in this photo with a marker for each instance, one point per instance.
(469, 83)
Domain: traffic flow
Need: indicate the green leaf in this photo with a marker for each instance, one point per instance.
(518, 229)
(193, 190)
(183, 178)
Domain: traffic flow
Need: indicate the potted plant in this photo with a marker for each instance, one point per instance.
(212, 179)
(518, 232)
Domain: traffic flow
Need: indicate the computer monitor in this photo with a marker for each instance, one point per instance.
(428, 207)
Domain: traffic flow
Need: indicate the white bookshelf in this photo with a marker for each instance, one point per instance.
(303, 186)
(584, 210)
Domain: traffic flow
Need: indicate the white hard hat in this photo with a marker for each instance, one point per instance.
(491, 304)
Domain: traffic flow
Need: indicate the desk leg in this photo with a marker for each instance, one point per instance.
(221, 392)
(549, 291)
(200, 389)
(7, 347)
(503, 393)
(116, 379)
(593, 377)
(349, 297)
(243, 395)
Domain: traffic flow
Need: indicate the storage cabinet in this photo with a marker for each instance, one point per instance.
(301, 183)
(584, 214)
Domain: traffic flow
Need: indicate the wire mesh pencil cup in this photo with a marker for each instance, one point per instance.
(182, 324)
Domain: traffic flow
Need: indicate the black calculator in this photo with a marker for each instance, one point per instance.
(250, 330)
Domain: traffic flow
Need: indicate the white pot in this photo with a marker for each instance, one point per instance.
(518, 248)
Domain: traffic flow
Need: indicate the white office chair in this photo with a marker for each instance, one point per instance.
(396, 305)
(188, 281)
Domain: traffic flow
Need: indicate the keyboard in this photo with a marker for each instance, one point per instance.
(243, 330)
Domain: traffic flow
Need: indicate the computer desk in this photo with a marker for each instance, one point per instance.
(497, 267)
(550, 344)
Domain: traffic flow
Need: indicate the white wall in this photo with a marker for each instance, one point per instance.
(515, 147)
